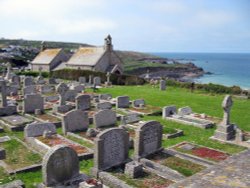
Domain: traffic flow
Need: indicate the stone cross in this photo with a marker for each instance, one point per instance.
(108, 77)
(226, 105)
(90, 79)
(40, 71)
(3, 91)
(8, 71)
(62, 88)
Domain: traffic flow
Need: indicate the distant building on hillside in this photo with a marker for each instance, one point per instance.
(48, 59)
(102, 59)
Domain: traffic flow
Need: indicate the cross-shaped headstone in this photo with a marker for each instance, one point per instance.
(227, 105)
(62, 88)
(108, 77)
(40, 71)
(3, 91)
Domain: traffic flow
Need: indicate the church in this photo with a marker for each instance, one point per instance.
(101, 59)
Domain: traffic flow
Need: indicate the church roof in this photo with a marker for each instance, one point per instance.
(46, 56)
(88, 56)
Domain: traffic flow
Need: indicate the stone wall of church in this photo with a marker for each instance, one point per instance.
(103, 63)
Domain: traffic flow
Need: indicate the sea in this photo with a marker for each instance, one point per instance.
(227, 69)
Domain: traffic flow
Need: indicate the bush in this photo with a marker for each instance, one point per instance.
(33, 73)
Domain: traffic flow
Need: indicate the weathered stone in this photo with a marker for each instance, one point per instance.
(83, 102)
(148, 138)
(104, 105)
(82, 80)
(16, 80)
(28, 81)
(12, 90)
(105, 96)
(185, 111)
(168, 111)
(138, 103)
(91, 132)
(70, 95)
(111, 149)
(48, 134)
(3, 92)
(62, 88)
(47, 89)
(104, 118)
(97, 81)
(130, 118)
(75, 120)
(133, 169)
(79, 88)
(2, 153)
(33, 102)
(40, 80)
(162, 85)
(122, 102)
(61, 167)
(37, 129)
(29, 90)
(4, 139)
(52, 81)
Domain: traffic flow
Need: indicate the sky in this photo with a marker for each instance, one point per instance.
(138, 25)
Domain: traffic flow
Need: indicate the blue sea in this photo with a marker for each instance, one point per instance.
(228, 68)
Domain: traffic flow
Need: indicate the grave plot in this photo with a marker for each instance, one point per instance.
(185, 116)
(147, 179)
(43, 136)
(46, 117)
(185, 167)
(15, 122)
(18, 157)
(201, 152)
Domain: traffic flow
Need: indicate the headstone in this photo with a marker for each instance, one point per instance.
(168, 111)
(79, 88)
(83, 102)
(108, 83)
(122, 102)
(111, 149)
(33, 102)
(16, 80)
(70, 95)
(47, 89)
(12, 90)
(29, 90)
(148, 138)
(104, 118)
(3, 92)
(60, 167)
(104, 105)
(133, 169)
(90, 80)
(97, 81)
(105, 96)
(52, 81)
(9, 73)
(75, 120)
(138, 103)
(62, 88)
(130, 118)
(82, 80)
(185, 111)
(28, 81)
(225, 130)
(37, 129)
(162, 85)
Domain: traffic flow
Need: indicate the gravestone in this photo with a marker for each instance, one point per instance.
(79, 88)
(148, 138)
(28, 81)
(138, 103)
(70, 95)
(185, 111)
(60, 167)
(168, 111)
(12, 90)
(32, 102)
(105, 96)
(52, 81)
(62, 88)
(29, 90)
(90, 80)
(108, 83)
(162, 85)
(104, 118)
(122, 102)
(75, 120)
(111, 149)
(82, 80)
(16, 80)
(97, 81)
(47, 89)
(37, 129)
(130, 118)
(225, 130)
(3, 92)
(103, 105)
(83, 102)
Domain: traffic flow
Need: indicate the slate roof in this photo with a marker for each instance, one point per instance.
(46, 56)
(86, 56)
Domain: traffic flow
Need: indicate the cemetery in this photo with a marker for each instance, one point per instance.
(88, 133)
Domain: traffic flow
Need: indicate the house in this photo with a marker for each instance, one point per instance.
(102, 59)
(48, 59)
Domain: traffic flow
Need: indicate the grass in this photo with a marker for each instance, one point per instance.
(18, 156)
(86, 165)
(80, 141)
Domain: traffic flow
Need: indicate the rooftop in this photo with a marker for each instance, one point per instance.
(46, 56)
